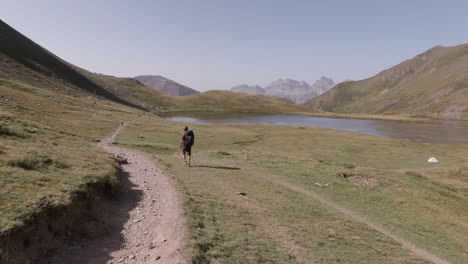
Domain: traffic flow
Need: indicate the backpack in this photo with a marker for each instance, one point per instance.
(190, 138)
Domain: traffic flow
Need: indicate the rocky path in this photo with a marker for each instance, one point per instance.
(144, 225)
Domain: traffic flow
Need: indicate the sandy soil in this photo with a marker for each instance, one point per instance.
(142, 225)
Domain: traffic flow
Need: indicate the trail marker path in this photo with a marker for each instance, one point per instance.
(148, 208)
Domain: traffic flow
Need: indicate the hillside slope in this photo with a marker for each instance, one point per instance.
(432, 84)
(132, 91)
(165, 86)
(23, 60)
(226, 101)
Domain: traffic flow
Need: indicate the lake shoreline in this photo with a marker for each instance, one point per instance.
(399, 118)
(445, 131)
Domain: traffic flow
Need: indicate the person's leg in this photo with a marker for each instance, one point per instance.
(189, 152)
(184, 152)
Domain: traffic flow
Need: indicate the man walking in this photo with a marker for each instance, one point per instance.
(188, 139)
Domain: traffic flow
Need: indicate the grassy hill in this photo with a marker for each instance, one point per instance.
(227, 101)
(25, 61)
(432, 84)
(22, 59)
(46, 152)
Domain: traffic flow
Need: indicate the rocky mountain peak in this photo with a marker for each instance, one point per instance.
(293, 90)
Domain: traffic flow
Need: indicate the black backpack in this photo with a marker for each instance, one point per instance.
(190, 138)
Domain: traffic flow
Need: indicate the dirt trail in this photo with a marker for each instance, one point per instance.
(144, 224)
(362, 219)
(276, 232)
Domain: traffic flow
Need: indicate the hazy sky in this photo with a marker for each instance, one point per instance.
(216, 44)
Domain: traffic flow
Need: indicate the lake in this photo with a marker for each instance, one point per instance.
(446, 131)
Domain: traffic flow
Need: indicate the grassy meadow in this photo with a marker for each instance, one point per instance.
(287, 172)
(46, 149)
(257, 193)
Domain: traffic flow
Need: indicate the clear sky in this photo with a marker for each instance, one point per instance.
(216, 44)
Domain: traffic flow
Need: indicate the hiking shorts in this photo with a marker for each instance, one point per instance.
(187, 150)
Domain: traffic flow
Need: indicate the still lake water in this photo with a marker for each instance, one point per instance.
(440, 132)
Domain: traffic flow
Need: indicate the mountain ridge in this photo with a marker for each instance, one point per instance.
(25, 62)
(295, 91)
(165, 85)
(431, 84)
(19, 54)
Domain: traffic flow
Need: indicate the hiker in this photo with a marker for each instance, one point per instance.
(188, 139)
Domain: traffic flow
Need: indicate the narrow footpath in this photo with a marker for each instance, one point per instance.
(143, 224)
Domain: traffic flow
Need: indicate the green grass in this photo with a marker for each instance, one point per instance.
(423, 203)
(48, 124)
(226, 101)
(47, 153)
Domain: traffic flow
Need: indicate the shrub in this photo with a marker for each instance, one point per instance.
(37, 163)
(4, 131)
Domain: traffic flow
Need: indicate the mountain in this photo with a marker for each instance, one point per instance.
(165, 85)
(432, 84)
(248, 89)
(24, 62)
(295, 91)
(322, 85)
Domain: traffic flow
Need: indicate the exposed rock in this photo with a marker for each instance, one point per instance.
(248, 89)
(152, 245)
(321, 184)
(121, 159)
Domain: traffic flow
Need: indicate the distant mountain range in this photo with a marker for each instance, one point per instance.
(432, 84)
(165, 86)
(293, 90)
(244, 88)
(23, 62)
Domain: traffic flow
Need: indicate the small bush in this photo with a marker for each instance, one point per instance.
(4, 131)
(415, 175)
(349, 166)
(27, 164)
(61, 165)
(37, 163)
(2, 149)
